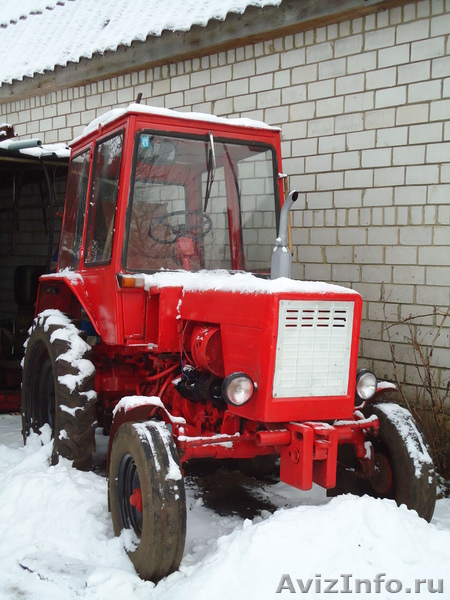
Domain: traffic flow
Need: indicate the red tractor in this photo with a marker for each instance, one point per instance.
(173, 323)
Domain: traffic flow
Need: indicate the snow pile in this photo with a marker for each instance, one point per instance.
(57, 541)
(348, 539)
(38, 35)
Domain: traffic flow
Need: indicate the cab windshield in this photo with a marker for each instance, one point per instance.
(201, 204)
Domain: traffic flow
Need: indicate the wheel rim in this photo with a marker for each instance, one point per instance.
(383, 477)
(128, 484)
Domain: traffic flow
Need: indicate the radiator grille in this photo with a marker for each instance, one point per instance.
(313, 348)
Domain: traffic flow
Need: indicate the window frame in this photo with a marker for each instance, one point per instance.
(92, 208)
(81, 206)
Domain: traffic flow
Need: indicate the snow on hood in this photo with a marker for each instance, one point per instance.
(220, 279)
(244, 283)
(38, 35)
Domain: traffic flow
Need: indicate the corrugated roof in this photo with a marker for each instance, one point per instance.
(38, 35)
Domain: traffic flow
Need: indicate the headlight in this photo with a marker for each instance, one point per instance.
(366, 384)
(237, 388)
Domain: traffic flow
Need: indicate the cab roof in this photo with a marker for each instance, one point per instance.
(140, 109)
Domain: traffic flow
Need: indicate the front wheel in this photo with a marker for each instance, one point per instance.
(147, 497)
(404, 470)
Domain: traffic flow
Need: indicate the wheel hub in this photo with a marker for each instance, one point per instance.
(130, 495)
(382, 478)
(136, 499)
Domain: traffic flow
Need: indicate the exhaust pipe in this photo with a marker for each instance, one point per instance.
(281, 255)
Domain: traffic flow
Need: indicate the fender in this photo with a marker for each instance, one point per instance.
(138, 409)
(65, 291)
(386, 392)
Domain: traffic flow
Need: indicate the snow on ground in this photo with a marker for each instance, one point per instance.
(57, 542)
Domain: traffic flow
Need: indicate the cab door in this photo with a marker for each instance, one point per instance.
(99, 272)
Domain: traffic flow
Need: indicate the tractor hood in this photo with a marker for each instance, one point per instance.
(297, 341)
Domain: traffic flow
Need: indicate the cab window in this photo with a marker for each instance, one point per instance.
(103, 201)
(72, 231)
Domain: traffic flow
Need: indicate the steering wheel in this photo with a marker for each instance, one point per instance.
(194, 232)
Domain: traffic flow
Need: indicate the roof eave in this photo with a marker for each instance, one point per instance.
(254, 25)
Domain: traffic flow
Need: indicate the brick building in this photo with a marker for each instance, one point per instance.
(361, 92)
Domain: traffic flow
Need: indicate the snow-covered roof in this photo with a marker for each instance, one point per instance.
(39, 35)
(34, 149)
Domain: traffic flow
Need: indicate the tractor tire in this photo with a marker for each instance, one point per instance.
(404, 469)
(58, 388)
(147, 497)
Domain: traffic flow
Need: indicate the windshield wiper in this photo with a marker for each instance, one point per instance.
(211, 169)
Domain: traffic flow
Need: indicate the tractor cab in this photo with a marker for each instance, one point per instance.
(150, 190)
(202, 195)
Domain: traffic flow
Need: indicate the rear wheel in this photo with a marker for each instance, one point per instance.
(147, 497)
(58, 388)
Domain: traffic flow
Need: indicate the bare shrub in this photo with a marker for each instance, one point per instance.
(429, 403)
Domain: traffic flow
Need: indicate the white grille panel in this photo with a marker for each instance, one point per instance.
(313, 348)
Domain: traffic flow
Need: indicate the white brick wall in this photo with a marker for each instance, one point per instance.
(364, 108)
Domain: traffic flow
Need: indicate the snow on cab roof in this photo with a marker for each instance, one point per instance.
(116, 113)
(39, 35)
